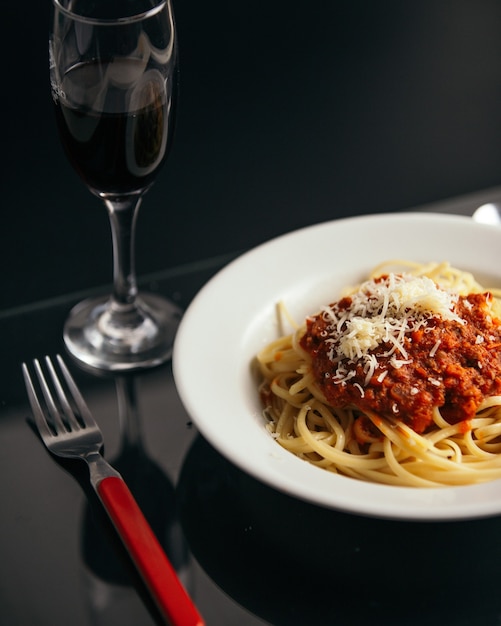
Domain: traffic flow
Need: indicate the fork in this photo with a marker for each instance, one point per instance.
(68, 430)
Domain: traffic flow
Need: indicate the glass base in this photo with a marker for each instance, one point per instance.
(104, 335)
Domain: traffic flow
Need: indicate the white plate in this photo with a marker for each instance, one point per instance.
(233, 316)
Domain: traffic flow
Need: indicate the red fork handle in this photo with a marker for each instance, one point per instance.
(147, 554)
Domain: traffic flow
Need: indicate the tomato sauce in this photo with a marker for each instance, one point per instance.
(449, 365)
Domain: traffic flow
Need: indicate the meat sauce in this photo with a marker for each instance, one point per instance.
(450, 365)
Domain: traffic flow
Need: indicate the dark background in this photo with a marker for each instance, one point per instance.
(290, 113)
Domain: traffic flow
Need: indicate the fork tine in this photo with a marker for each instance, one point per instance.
(49, 400)
(68, 411)
(38, 413)
(83, 409)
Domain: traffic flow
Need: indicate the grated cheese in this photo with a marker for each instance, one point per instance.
(384, 310)
(433, 351)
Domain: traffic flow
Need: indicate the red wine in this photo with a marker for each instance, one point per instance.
(115, 124)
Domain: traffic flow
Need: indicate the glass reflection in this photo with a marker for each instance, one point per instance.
(113, 588)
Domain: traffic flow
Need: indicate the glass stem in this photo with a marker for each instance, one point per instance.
(123, 214)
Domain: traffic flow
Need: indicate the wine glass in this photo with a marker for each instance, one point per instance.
(113, 73)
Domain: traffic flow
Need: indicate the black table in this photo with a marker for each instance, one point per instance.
(249, 554)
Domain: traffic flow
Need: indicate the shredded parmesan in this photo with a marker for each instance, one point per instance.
(433, 351)
(359, 387)
(384, 310)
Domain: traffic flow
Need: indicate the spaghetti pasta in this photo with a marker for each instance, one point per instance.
(398, 382)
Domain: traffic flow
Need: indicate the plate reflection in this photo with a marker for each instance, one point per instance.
(290, 562)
